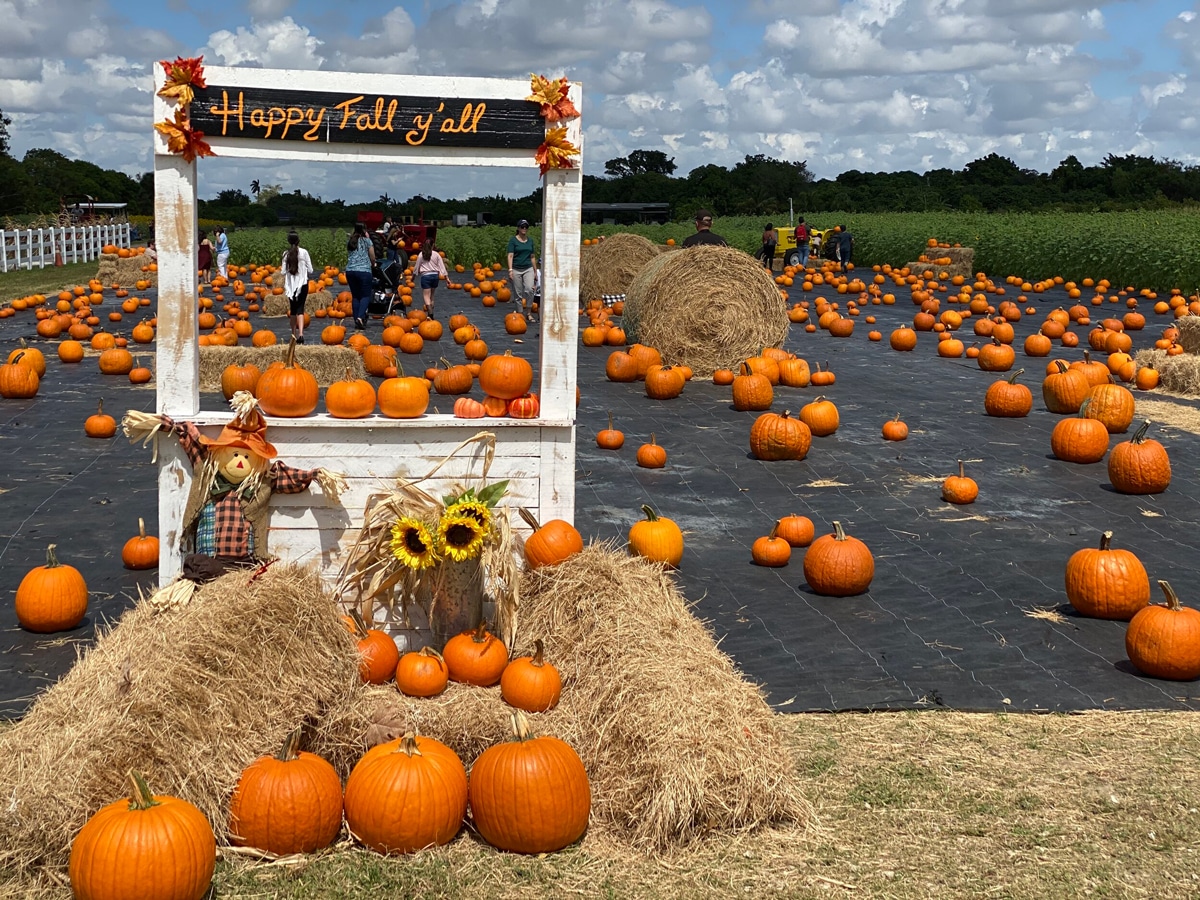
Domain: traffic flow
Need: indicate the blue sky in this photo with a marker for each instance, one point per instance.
(877, 85)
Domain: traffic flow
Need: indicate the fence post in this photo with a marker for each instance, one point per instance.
(3, 251)
(41, 248)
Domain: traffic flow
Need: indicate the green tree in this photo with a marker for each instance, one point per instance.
(5, 121)
(640, 162)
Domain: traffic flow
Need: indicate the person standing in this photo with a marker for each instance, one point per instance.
(845, 247)
(770, 239)
(204, 258)
(522, 264)
(297, 270)
(704, 233)
(360, 262)
(222, 252)
(802, 242)
(429, 270)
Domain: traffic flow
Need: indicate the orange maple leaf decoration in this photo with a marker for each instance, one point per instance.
(182, 139)
(182, 76)
(551, 93)
(556, 151)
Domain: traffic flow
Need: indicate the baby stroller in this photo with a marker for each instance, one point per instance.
(385, 293)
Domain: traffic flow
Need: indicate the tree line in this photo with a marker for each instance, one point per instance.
(758, 185)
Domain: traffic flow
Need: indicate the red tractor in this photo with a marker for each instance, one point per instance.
(415, 233)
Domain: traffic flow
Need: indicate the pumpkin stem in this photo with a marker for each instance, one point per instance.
(838, 533)
(520, 726)
(408, 745)
(652, 439)
(480, 634)
(142, 528)
(1062, 366)
(360, 624)
(651, 515)
(140, 796)
(610, 428)
(429, 651)
(290, 748)
(530, 518)
(1105, 539)
(100, 407)
(538, 659)
(1139, 436)
(1012, 379)
(774, 532)
(1172, 598)
(961, 470)
(52, 558)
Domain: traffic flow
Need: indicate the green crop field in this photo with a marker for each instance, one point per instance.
(1148, 248)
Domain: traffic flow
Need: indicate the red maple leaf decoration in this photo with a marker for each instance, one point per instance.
(182, 139)
(183, 75)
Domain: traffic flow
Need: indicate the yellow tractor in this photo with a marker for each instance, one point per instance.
(786, 249)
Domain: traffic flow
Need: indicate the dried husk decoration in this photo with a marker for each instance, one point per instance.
(372, 576)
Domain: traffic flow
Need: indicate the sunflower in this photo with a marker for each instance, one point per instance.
(460, 537)
(476, 509)
(412, 543)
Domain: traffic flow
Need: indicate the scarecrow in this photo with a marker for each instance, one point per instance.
(235, 474)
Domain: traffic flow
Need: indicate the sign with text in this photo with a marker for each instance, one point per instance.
(344, 118)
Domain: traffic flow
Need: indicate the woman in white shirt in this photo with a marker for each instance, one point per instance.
(429, 271)
(297, 269)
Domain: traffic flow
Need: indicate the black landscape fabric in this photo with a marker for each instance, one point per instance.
(967, 609)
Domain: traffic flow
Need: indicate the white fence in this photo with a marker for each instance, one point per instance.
(30, 248)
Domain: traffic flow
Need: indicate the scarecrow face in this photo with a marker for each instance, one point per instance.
(235, 464)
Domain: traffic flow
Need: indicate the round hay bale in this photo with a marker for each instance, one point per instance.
(276, 305)
(705, 307)
(610, 267)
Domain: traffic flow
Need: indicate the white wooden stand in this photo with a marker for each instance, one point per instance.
(536, 455)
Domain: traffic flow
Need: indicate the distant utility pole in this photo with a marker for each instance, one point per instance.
(791, 216)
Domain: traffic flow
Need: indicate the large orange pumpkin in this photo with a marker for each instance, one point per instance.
(838, 565)
(152, 847)
(287, 803)
(52, 597)
(530, 794)
(551, 542)
(505, 376)
(288, 390)
(475, 657)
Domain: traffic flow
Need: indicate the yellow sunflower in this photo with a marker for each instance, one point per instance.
(412, 543)
(475, 509)
(460, 537)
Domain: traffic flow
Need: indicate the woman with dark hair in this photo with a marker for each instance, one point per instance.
(204, 258)
(360, 262)
(297, 269)
(429, 270)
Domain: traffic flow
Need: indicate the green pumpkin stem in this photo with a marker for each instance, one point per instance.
(1105, 540)
(838, 533)
(52, 557)
(140, 796)
(1139, 436)
(1172, 598)
(1012, 379)
(651, 515)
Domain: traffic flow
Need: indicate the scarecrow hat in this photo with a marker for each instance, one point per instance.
(248, 429)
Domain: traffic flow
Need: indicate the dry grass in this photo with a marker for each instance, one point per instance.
(328, 364)
(611, 266)
(1177, 374)
(705, 307)
(910, 806)
(186, 696)
(113, 269)
(1189, 333)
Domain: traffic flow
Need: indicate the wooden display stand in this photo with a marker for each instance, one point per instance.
(390, 119)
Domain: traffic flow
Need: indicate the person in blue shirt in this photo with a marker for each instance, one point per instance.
(222, 252)
(360, 263)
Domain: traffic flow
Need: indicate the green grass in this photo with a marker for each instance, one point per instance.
(47, 281)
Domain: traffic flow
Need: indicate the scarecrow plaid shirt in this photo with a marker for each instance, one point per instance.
(222, 529)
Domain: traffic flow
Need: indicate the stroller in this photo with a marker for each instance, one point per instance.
(385, 293)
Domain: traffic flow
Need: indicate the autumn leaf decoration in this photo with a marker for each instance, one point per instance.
(183, 77)
(551, 93)
(182, 139)
(556, 151)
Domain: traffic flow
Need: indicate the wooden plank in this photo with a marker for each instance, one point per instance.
(330, 440)
(557, 488)
(352, 502)
(174, 482)
(447, 424)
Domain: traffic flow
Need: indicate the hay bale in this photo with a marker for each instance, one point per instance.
(705, 307)
(676, 742)
(1189, 333)
(1177, 374)
(187, 696)
(276, 305)
(328, 364)
(610, 266)
(113, 269)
